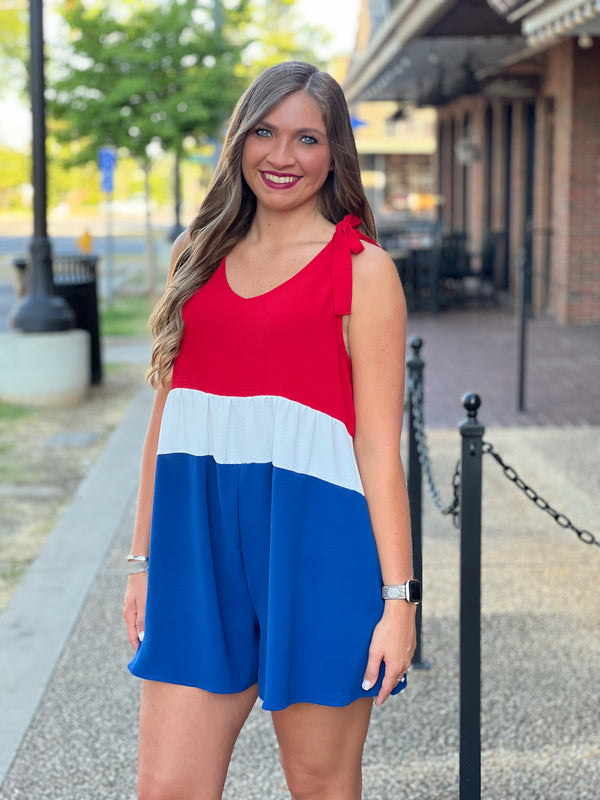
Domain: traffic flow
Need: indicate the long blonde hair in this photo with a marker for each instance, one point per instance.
(226, 214)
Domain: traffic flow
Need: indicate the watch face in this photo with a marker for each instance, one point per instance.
(414, 591)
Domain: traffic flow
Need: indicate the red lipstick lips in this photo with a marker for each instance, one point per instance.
(278, 180)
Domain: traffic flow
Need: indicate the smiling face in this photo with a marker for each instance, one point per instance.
(286, 157)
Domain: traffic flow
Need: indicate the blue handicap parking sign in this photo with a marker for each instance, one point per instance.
(107, 161)
(107, 184)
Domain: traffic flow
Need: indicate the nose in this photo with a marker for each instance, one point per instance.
(281, 154)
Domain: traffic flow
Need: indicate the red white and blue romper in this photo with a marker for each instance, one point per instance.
(263, 565)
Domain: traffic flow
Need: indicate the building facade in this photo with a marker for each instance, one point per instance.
(516, 90)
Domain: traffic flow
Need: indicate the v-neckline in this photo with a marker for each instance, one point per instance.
(281, 285)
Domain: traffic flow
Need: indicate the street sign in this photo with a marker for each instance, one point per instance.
(107, 161)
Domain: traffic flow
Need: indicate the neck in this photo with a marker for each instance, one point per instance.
(273, 227)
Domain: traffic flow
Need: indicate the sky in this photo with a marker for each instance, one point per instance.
(340, 17)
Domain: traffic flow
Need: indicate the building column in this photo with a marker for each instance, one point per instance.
(582, 302)
(518, 147)
(447, 169)
(559, 81)
(458, 172)
(477, 177)
(498, 167)
(542, 204)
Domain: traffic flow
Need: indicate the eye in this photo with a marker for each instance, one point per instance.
(308, 140)
(262, 132)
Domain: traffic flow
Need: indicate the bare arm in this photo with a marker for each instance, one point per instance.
(376, 336)
(135, 596)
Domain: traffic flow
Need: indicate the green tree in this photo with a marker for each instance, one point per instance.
(279, 33)
(157, 78)
(15, 169)
(161, 73)
(163, 76)
(13, 44)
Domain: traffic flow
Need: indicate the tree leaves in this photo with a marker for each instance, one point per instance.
(151, 76)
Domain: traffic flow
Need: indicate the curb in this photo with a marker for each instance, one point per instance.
(41, 613)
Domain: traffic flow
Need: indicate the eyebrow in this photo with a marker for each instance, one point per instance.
(299, 131)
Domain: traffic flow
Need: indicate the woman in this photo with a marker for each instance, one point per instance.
(272, 463)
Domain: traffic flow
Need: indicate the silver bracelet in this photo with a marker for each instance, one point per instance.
(141, 559)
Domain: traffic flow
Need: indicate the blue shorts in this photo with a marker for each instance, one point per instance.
(259, 575)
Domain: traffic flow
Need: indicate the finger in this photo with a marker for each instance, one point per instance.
(384, 692)
(134, 608)
(132, 631)
(391, 679)
(135, 625)
(372, 671)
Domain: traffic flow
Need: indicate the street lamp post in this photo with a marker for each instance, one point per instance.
(40, 310)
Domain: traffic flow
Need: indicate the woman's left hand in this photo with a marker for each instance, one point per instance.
(393, 642)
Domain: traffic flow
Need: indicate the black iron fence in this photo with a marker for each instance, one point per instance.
(464, 504)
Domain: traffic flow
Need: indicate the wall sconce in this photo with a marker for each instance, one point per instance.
(399, 114)
(466, 151)
(585, 41)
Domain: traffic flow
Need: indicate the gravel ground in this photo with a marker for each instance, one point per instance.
(45, 454)
(540, 649)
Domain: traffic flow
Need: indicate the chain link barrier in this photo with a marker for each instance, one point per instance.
(416, 394)
(560, 519)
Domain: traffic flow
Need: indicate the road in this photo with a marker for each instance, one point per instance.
(129, 255)
(17, 246)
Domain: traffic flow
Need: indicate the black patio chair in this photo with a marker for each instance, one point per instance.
(481, 282)
(450, 266)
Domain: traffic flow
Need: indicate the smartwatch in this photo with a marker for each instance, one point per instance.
(409, 591)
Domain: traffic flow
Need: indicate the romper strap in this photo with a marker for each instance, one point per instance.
(346, 240)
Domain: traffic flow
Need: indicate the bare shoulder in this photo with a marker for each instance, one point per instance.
(179, 245)
(374, 273)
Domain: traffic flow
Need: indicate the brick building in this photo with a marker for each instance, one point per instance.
(516, 87)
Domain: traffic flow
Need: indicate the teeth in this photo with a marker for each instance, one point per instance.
(279, 178)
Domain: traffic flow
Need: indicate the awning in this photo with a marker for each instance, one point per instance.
(432, 70)
(514, 9)
(431, 48)
(551, 21)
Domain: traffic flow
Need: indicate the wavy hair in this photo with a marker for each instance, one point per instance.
(227, 211)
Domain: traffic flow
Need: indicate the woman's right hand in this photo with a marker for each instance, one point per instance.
(134, 607)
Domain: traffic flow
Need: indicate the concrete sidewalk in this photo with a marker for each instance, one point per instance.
(68, 716)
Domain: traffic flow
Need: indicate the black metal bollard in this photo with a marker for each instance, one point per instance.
(415, 366)
(523, 308)
(471, 431)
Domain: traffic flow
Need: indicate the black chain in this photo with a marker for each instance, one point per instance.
(416, 394)
(560, 519)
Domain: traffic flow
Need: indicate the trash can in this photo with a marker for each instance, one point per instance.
(20, 265)
(74, 279)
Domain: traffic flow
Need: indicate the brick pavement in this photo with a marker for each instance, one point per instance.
(476, 350)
